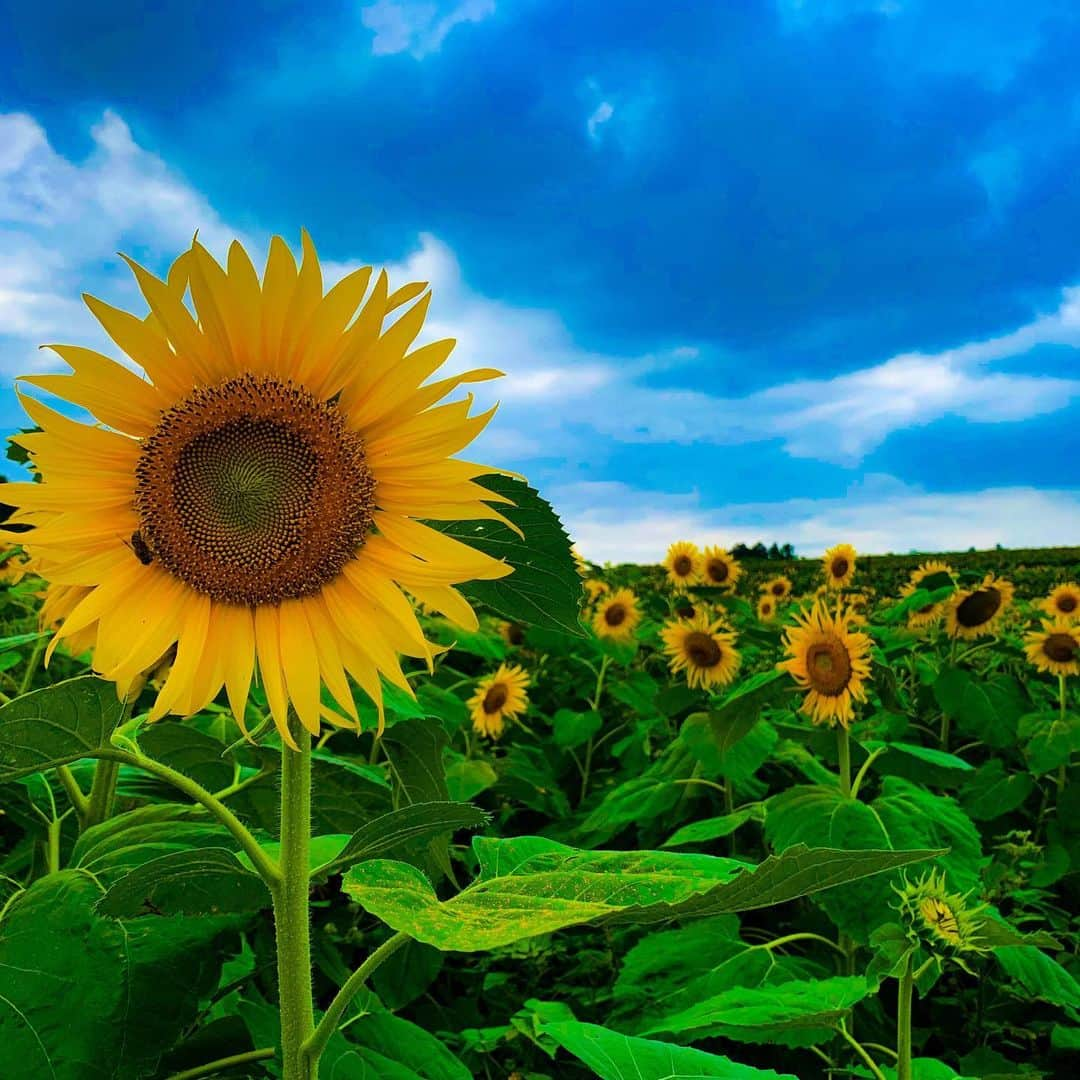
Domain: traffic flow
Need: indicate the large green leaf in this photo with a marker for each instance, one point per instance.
(983, 708)
(1040, 975)
(545, 588)
(532, 885)
(188, 750)
(614, 1056)
(56, 725)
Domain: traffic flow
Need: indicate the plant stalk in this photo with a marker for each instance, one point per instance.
(102, 792)
(843, 749)
(903, 1022)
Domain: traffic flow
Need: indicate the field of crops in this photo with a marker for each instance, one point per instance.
(800, 819)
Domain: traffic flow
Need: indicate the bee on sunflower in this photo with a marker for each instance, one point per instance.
(704, 650)
(498, 698)
(974, 613)
(617, 616)
(1063, 601)
(839, 565)
(684, 564)
(1055, 648)
(719, 569)
(779, 587)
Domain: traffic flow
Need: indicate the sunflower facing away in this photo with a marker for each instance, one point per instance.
(683, 563)
(779, 588)
(829, 661)
(976, 612)
(256, 500)
(617, 616)
(703, 649)
(839, 563)
(498, 698)
(1063, 601)
(1055, 648)
(719, 568)
(929, 613)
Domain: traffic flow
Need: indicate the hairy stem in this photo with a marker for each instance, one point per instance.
(903, 1023)
(102, 792)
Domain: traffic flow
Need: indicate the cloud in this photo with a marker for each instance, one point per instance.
(417, 27)
(600, 115)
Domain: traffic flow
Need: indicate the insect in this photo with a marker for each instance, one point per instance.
(142, 551)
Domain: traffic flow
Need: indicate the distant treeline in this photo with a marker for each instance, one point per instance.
(760, 551)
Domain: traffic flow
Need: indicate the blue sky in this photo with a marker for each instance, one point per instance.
(780, 270)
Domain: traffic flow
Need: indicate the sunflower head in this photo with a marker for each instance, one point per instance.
(1063, 602)
(1055, 648)
(683, 563)
(704, 650)
(943, 922)
(513, 633)
(498, 698)
(839, 565)
(779, 587)
(766, 608)
(719, 569)
(595, 588)
(617, 616)
(977, 612)
(829, 661)
(255, 501)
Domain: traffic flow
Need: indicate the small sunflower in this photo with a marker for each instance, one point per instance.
(976, 612)
(703, 649)
(581, 563)
(498, 698)
(766, 608)
(940, 920)
(683, 563)
(1055, 648)
(829, 661)
(719, 568)
(929, 613)
(1063, 601)
(513, 633)
(595, 588)
(617, 616)
(839, 563)
(779, 588)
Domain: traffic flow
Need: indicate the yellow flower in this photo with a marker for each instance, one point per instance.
(719, 568)
(779, 588)
(14, 568)
(766, 608)
(617, 616)
(829, 661)
(1063, 601)
(595, 588)
(1055, 648)
(683, 563)
(703, 649)
(976, 612)
(929, 613)
(839, 563)
(499, 697)
(512, 633)
(257, 499)
(580, 562)
(938, 919)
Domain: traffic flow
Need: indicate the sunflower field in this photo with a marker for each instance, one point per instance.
(323, 754)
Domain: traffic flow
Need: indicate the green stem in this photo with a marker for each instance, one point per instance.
(292, 918)
(943, 738)
(1063, 768)
(801, 936)
(102, 792)
(843, 749)
(316, 1044)
(32, 665)
(52, 846)
(903, 1023)
(870, 1063)
(212, 1067)
(863, 770)
(74, 793)
(585, 771)
(594, 704)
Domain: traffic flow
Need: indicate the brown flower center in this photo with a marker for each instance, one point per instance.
(828, 667)
(778, 588)
(683, 565)
(718, 571)
(1066, 603)
(978, 608)
(685, 611)
(1061, 648)
(840, 566)
(702, 650)
(515, 633)
(253, 491)
(495, 698)
(615, 614)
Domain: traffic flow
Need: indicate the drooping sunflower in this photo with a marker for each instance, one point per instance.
(779, 587)
(703, 649)
(683, 563)
(976, 612)
(719, 568)
(257, 500)
(766, 608)
(498, 698)
(839, 564)
(1055, 648)
(595, 588)
(829, 661)
(617, 616)
(1063, 601)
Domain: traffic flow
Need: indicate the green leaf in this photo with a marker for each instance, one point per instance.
(701, 832)
(985, 708)
(1040, 975)
(467, 777)
(992, 792)
(532, 885)
(1051, 739)
(922, 753)
(614, 1056)
(188, 750)
(405, 1043)
(545, 588)
(920, 598)
(56, 725)
(573, 729)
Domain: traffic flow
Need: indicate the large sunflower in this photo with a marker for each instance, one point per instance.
(703, 649)
(976, 612)
(617, 616)
(683, 563)
(1055, 648)
(1063, 601)
(718, 568)
(498, 698)
(839, 564)
(779, 588)
(257, 499)
(829, 661)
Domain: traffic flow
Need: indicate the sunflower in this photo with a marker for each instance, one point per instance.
(976, 612)
(499, 697)
(1063, 601)
(257, 501)
(683, 563)
(829, 661)
(580, 562)
(1055, 648)
(616, 616)
(929, 613)
(513, 633)
(719, 568)
(595, 588)
(766, 608)
(779, 588)
(703, 649)
(839, 563)
(942, 921)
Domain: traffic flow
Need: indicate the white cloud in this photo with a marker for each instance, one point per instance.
(600, 115)
(416, 26)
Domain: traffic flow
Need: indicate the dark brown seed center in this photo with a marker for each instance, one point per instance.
(683, 565)
(828, 667)
(702, 650)
(495, 698)
(978, 608)
(840, 567)
(718, 571)
(778, 588)
(1066, 603)
(1061, 648)
(686, 611)
(615, 615)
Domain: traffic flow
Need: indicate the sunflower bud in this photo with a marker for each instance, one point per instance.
(942, 922)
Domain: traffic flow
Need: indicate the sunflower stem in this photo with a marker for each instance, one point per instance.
(1063, 768)
(102, 792)
(212, 1068)
(74, 793)
(943, 737)
(843, 749)
(292, 917)
(859, 1049)
(903, 1022)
